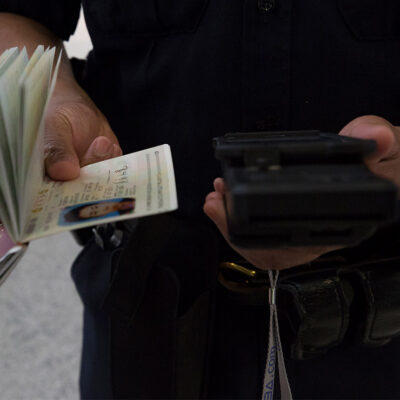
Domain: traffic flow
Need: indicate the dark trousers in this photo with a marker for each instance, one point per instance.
(171, 331)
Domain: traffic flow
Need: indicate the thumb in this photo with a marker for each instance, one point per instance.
(378, 129)
(77, 135)
(100, 149)
(214, 207)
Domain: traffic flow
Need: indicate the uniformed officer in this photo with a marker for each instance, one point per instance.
(183, 72)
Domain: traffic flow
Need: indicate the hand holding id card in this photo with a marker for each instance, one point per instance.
(32, 205)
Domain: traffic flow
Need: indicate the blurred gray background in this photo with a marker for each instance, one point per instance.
(40, 312)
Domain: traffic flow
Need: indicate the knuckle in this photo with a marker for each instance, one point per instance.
(73, 115)
(57, 121)
(79, 118)
(53, 151)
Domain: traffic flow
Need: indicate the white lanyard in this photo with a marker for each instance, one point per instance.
(274, 349)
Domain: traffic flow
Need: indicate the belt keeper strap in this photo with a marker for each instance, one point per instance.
(319, 305)
(380, 286)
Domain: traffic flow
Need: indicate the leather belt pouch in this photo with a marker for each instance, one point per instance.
(379, 305)
(330, 302)
(357, 304)
(314, 311)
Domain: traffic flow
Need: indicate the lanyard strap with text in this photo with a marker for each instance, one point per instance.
(274, 349)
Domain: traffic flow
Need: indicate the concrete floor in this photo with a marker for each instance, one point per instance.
(40, 324)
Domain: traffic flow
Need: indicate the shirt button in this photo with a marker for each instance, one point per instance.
(266, 5)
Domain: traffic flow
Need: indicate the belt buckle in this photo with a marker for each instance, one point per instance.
(242, 278)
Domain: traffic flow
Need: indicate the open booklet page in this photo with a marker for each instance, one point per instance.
(129, 186)
(9, 73)
(36, 90)
(25, 90)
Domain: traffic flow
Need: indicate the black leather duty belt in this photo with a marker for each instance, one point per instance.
(325, 303)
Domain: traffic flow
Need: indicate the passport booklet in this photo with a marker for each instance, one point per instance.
(31, 204)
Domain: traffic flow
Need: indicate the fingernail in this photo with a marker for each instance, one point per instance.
(102, 147)
(117, 152)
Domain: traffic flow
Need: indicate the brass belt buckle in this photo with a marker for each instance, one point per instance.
(242, 278)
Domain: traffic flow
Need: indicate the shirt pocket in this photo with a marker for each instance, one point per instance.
(151, 17)
(372, 20)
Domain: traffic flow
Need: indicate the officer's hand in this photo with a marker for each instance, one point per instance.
(261, 258)
(76, 132)
(385, 162)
